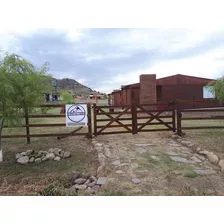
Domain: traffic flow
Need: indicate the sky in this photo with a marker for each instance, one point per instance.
(106, 58)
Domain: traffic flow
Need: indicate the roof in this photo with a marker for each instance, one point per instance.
(181, 75)
(131, 85)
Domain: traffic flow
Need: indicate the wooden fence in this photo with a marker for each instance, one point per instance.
(126, 119)
(28, 126)
(134, 116)
(191, 117)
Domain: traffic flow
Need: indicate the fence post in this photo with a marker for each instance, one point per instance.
(94, 120)
(27, 127)
(179, 115)
(89, 120)
(174, 119)
(134, 118)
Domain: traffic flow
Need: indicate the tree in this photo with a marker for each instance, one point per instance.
(21, 89)
(217, 88)
(67, 98)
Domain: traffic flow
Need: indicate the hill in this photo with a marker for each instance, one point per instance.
(74, 87)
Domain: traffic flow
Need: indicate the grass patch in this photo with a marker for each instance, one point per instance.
(190, 174)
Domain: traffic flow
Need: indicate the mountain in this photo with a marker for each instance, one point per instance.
(74, 87)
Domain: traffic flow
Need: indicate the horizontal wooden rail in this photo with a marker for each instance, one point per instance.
(39, 125)
(120, 119)
(148, 117)
(46, 115)
(203, 127)
(43, 135)
(52, 105)
(202, 118)
(129, 125)
(202, 110)
(115, 132)
(149, 130)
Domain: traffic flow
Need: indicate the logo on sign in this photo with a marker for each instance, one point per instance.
(76, 113)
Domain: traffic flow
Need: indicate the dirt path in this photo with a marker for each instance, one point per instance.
(155, 164)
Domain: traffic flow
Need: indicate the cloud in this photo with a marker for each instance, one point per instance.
(105, 59)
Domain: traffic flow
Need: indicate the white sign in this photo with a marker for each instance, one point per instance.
(76, 114)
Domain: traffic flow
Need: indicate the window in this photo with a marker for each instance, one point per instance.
(207, 94)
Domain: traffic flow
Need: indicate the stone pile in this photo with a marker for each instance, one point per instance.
(32, 156)
(211, 156)
(89, 184)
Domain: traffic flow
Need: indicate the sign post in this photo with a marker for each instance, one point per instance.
(76, 115)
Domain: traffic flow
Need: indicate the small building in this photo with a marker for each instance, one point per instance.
(154, 91)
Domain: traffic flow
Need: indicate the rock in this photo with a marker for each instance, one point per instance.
(195, 159)
(200, 157)
(135, 180)
(204, 172)
(38, 160)
(116, 162)
(29, 152)
(101, 159)
(119, 172)
(90, 191)
(32, 159)
(98, 145)
(80, 187)
(142, 171)
(174, 144)
(92, 178)
(107, 153)
(91, 184)
(101, 181)
(80, 181)
(72, 190)
(100, 170)
(57, 158)
(96, 188)
(179, 159)
(172, 153)
(23, 153)
(51, 150)
(87, 182)
(203, 152)
(23, 160)
(125, 164)
(155, 158)
(18, 155)
(50, 156)
(212, 157)
(144, 145)
(67, 155)
(99, 149)
(42, 153)
(139, 150)
(221, 165)
(44, 158)
(198, 150)
(73, 176)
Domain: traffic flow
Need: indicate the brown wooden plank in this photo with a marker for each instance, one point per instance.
(45, 115)
(202, 110)
(72, 132)
(202, 118)
(159, 116)
(52, 105)
(89, 120)
(130, 125)
(120, 119)
(115, 132)
(40, 125)
(94, 120)
(43, 135)
(154, 130)
(203, 127)
(109, 113)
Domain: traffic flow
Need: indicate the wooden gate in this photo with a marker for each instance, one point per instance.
(133, 119)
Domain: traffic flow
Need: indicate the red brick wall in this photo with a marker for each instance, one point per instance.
(148, 89)
(182, 92)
